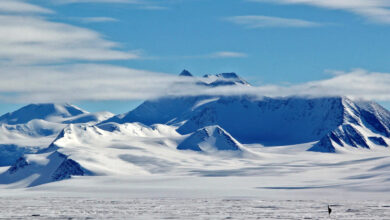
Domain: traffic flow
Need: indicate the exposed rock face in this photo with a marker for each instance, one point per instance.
(273, 121)
(67, 169)
(185, 73)
(19, 164)
(365, 124)
(43, 168)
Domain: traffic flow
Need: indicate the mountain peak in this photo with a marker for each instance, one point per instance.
(40, 111)
(231, 75)
(210, 139)
(185, 73)
(225, 79)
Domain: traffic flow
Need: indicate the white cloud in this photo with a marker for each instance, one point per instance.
(257, 21)
(227, 54)
(374, 10)
(81, 82)
(16, 6)
(96, 19)
(142, 4)
(212, 55)
(27, 41)
(28, 38)
(356, 84)
(60, 83)
(99, 1)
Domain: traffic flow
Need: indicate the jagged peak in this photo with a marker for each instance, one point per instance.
(231, 75)
(185, 73)
(224, 79)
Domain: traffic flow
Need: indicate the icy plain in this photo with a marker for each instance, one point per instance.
(285, 183)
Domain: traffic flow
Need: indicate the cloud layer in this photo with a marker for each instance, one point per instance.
(28, 37)
(64, 83)
(47, 61)
(15, 6)
(96, 19)
(257, 21)
(141, 4)
(373, 10)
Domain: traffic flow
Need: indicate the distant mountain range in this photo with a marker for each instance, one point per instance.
(42, 143)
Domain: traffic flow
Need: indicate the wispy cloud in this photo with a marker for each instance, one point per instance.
(16, 6)
(96, 19)
(374, 10)
(358, 83)
(99, 1)
(105, 82)
(28, 38)
(227, 54)
(61, 83)
(258, 21)
(212, 55)
(141, 4)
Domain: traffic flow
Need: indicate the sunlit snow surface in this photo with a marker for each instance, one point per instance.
(139, 172)
(172, 208)
(288, 186)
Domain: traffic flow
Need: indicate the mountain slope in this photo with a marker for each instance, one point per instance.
(224, 79)
(36, 169)
(272, 121)
(35, 126)
(124, 150)
(48, 112)
(210, 139)
(171, 109)
(161, 111)
(365, 125)
(91, 118)
(115, 149)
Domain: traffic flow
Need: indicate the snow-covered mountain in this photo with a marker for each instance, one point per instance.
(183, 135)
(224, 79)
(90, 118)
(185, 73)
(164, 110)
(34, 127)
(124, 149)
(210, 139)
(272, 121)
(48, 112)
(364, 125)
(37, 169)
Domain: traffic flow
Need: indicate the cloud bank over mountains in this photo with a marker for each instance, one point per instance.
(63, 83)
(42, 60)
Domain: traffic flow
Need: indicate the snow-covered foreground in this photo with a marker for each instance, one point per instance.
(198, 157)
(174, 208)
(284, 183)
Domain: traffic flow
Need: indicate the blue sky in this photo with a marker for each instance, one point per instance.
(281, 42)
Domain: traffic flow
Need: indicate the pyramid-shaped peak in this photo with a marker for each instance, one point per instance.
(210, 139)
(185, 73)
